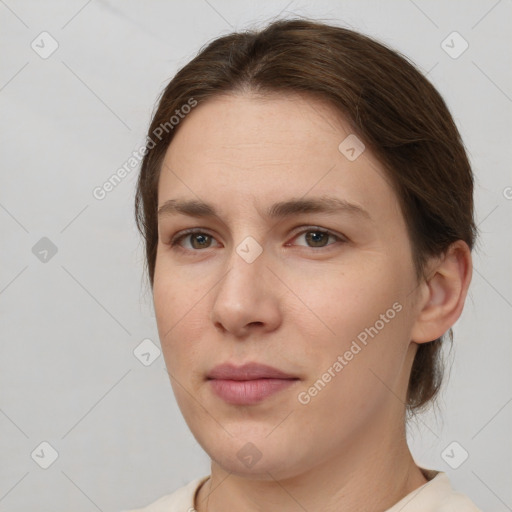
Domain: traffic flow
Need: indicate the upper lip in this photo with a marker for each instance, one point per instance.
(249, 371)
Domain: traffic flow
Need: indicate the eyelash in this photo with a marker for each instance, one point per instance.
(175, 241)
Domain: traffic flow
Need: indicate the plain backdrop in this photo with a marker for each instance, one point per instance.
(78, 82)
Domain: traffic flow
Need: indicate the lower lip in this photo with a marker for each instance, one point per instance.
(246, 392)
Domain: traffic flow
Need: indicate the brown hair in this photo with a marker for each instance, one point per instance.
(390, 105)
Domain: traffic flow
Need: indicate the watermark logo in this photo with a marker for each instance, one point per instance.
(45, 45)
(249, 454)
(147, 352)
(44, 250)
(454, 455)
(249, 249)
(454, 45)
(351, 147)
(44, 455)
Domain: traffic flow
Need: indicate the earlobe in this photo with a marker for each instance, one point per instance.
(444, 294)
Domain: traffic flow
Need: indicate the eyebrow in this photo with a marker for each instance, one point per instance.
(324, 204)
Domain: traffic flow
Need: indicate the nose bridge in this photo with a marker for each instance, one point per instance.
(246, 256)
(246, 265)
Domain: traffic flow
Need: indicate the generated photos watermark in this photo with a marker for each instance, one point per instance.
(361, 341)
(101, 191)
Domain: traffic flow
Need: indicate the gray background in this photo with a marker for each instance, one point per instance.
(70, 321)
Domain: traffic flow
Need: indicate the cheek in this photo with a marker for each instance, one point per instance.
(353, 371)
(179, 317)
(165, 300)
(175, 291)
(359, 315)
(340, 304)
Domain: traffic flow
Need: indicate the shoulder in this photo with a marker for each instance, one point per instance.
(455, 501)
(437, 495)
(181, 500)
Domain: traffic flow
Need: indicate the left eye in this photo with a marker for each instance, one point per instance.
(317, 237)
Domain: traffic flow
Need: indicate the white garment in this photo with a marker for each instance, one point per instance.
(437, 495)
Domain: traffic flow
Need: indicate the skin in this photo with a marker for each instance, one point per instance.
(297, 307)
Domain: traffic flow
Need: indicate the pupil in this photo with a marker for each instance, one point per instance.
(201, 239)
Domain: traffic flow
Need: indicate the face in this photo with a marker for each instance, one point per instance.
(301, 262)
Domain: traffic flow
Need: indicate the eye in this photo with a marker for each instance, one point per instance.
(318, 237)
(314, 237)
(198, 239)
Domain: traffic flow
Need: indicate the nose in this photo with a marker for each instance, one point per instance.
(245, 300)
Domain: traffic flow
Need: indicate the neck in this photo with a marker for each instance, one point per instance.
(371, 471)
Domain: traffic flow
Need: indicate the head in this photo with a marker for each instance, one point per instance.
(332, 203)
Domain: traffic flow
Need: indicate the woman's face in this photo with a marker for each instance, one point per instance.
(305, 266)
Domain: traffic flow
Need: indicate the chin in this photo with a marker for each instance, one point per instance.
(251, 453)
(265, 464)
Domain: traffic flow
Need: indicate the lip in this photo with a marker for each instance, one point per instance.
(248, 384)
(249, 371)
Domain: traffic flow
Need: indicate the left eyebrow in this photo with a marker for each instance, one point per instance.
(282, 209)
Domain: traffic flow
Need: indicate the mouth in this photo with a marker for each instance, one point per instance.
(248, 384)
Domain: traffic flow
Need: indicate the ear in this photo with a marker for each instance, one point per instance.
(442, 296)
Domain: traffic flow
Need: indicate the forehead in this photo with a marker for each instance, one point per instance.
(230, 125)
(244, 149)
